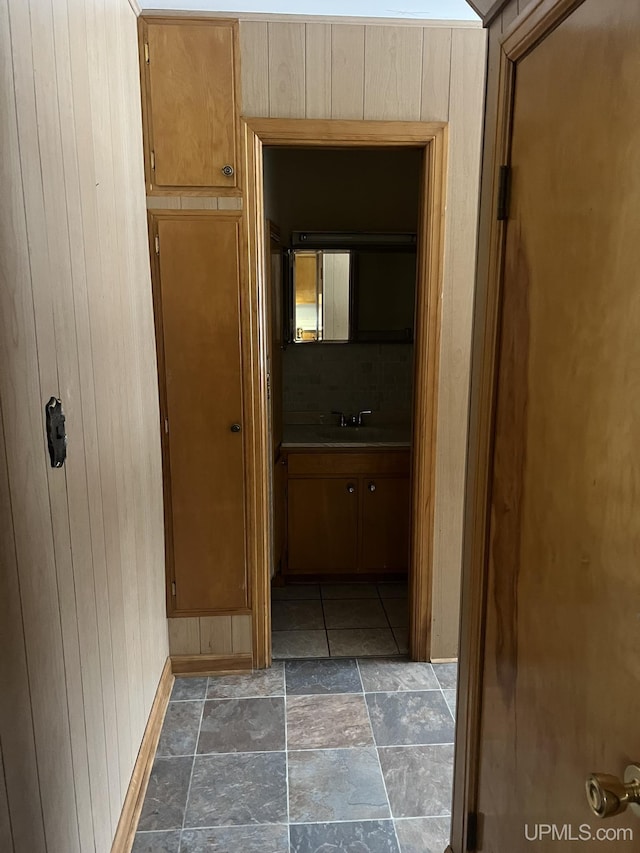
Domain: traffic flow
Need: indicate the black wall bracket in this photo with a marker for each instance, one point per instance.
(56, 432)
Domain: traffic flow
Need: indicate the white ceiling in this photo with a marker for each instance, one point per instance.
(449, 10)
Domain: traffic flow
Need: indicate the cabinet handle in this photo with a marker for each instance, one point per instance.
(227, 171)
(372, 487)
(351, 488)
(235, 427)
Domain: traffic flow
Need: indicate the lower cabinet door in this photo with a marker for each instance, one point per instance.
(323, 525)
(386, 507)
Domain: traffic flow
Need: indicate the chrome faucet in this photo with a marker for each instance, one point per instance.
(351, 420)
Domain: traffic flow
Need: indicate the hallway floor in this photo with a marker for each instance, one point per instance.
(317, 755)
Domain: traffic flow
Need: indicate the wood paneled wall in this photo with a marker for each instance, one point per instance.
(82, 617)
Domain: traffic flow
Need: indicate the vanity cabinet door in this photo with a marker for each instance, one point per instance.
(190, 103)
(386, 521)
(323, 525)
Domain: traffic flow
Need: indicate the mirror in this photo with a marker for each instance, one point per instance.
(363, 294)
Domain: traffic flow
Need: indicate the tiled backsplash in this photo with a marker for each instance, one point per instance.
(348, 378)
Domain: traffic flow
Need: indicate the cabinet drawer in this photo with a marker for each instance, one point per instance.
(327, 464)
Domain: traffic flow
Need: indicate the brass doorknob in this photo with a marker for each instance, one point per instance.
(607, 795)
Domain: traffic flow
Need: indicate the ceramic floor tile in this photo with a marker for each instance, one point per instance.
(156, 842)
(397, 611)
(401, 636)
(322, 722)
(349, 590)
(179, 734)
(354, 613)
(353, 642)
(188, 688)
(240, 790)
(296, 615)
(393, 590)
(366, 836)
(335, 784)
(295, 591)
(262, 682)
(242, 725)
(450, 696)
(299, 644)
(418, 779)
(164, 802)
(403, 718)
(236, 839)
(304, 677)
(447, 675)
(380, 675)
(423, 834)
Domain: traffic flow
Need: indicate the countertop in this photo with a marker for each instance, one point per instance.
(327, 435)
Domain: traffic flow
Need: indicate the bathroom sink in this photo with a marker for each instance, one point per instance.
(328, 434)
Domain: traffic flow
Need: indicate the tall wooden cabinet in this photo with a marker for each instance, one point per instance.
(197, 308)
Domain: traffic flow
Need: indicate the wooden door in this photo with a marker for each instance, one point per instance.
(191, 110)
(322, 525)
(276, 336)
(561, 671)
(385, 524)
(197, 300)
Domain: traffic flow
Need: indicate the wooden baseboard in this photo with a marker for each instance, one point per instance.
(125, 833)
(210, 664)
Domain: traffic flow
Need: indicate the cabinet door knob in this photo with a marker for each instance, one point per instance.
(351, 488)
(227, 171)
(372, 487)
(235, 427)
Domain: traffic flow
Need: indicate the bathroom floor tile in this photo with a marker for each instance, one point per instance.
(180, 728)
(423, 834)
(355, 613)
(262, 682)
(299, 644)
(349, 590)
(401, 636)
(188, 689)
(393, 590)
(295, 591)
(335, 784)
(362, 642)
(242, 725)
(447, 675)
(418, 779)
(361, 836)
(397, 611)
(322, 722)
(296, 615)
(322, 676)
(405, 718)
(237, 839)
(238, 790)
(387, 675)
(156, 842)
(451, 698)
(166, 796)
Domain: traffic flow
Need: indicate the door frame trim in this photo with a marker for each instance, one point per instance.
(524, 33)
(432, 138)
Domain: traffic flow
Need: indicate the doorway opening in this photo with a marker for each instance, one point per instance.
(354, 505)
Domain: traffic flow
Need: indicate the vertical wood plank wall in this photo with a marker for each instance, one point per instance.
(82, 617)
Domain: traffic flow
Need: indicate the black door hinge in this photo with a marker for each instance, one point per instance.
(504, 192)
(472, 831)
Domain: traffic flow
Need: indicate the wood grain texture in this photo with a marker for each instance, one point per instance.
(347, 72)
(82, 658)
(436, 74)
(287, 82)
(210, 664)
(254, 46)
(393, 73)
(318, 70)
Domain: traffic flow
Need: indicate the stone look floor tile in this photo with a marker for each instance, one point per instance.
(393, 590)
(188, 688)
(418, 779)
(368, 836)
(362, 641)
(355, 613)
(299, 644)
(401, 636)
(166, 796)
(242, 725)
(296, 615)
(295, 591)
(451, 697)
(349, 590)
(262, 682)
(322, 676)
(239, 790)
(156, 842)
(323, 722)
(236, 839)
(397, 611)
(180, 728)
(405, 718)
(385, 676)
(423, 834)
(447, 675)
(334, 785)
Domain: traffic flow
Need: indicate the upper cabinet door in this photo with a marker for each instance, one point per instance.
(190, 103)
